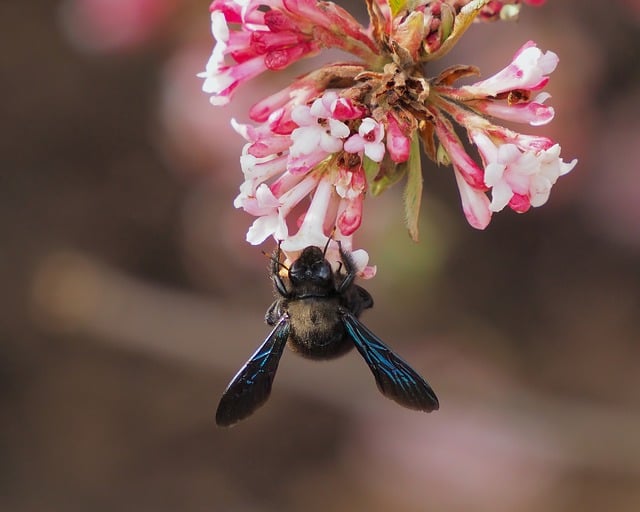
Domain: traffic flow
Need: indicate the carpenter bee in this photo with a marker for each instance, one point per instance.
(317, 316)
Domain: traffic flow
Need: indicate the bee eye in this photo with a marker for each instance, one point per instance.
(322, 270)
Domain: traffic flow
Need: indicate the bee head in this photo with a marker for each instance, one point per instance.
(311, 266)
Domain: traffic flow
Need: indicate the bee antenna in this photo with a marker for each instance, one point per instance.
(271, 258)
(326, 246)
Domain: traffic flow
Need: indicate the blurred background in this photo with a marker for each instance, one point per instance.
(130, 297)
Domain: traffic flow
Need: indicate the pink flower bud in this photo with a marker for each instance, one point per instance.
(398, 144)
(475, 204)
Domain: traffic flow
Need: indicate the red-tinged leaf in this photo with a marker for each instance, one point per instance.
(461, 23)
(427, 134)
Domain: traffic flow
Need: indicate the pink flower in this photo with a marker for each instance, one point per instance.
(222, 81)
(318, 134)
(351, 186)
(519, 173)
(475, 203)
(528, 70)
(462, 162)
(318, 141)
(469, 178)
(282, 171)
(533, 112)
(311, 231)
(367, 140)
(506, 10)
(274, 38)
(512, 162)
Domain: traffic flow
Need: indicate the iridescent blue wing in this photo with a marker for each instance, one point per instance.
(251, 386)
(395, 378)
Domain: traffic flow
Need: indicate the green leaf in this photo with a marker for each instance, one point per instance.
(396, 6)
(442, 157)
(371, 169)
(413, 189)
(380, 176)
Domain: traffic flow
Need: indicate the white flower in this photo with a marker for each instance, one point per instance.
(518, 172)
(368, 139)
(317, 135)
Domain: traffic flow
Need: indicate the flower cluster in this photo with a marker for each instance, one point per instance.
(348, 129)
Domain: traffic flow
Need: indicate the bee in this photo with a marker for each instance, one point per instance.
(316, 314)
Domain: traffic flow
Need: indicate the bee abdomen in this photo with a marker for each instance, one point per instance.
(316, 330)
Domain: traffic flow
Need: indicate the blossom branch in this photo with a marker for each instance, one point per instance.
(346, 129)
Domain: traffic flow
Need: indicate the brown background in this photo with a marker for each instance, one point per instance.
(130, 298)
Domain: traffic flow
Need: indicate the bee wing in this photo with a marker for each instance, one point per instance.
(394, 377)
(251, 386)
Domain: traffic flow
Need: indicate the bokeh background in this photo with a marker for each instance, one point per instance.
(129, 297)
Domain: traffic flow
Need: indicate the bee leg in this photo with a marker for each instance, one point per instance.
(275, 273)
(282, 289)
(273, 314)
(350, 268)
